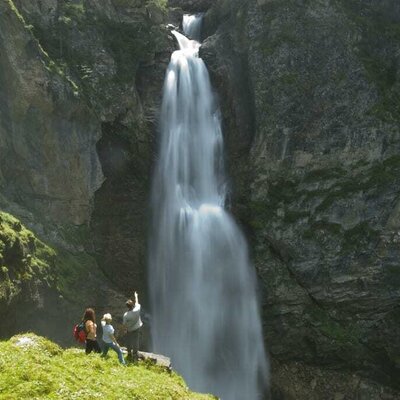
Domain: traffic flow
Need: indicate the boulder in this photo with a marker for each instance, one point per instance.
(157, 359)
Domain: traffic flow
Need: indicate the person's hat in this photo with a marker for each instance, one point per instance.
(129, 303)
(107, 317)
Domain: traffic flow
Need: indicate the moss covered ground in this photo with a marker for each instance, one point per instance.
(32, 367)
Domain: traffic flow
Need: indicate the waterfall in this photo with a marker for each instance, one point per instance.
(205, 313)
(191, 25)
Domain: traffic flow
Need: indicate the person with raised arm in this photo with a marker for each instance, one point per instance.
(133, 323)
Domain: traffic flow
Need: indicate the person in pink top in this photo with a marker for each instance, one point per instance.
(89, 319)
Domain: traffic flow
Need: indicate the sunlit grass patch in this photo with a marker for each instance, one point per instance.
(32, 367)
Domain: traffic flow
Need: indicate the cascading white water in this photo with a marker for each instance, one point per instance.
(205, 314)
(191, 25)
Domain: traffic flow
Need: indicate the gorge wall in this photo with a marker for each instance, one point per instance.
(309, 92)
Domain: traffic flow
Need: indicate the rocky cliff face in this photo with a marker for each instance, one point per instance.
(191, 6)
(48, 134)
(80, 84)
(309, 94)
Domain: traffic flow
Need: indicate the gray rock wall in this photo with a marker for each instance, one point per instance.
(48, 134)
(319, 188)
(191, 5)
(80, 84)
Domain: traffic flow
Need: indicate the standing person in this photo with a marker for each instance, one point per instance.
(109, 339)
(133, 323)
(89, 319)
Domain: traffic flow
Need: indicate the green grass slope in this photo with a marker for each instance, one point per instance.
(32, 367)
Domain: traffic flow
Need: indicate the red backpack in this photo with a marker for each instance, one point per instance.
(79, 332)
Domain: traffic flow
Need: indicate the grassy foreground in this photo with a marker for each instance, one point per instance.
(32, 367)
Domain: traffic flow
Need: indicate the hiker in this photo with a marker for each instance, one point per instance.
(109, 339)
(89, 319)
(133, 323)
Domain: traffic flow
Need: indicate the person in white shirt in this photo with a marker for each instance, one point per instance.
(133, 323)
(109, 339)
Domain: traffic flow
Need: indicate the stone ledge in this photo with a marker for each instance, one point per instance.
(157, 359)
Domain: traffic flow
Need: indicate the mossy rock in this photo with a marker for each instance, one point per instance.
(23, 256)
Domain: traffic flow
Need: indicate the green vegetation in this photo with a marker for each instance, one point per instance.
(47, 61)
(292, 216)
(378, 27)
(305, 201)
(351, 240)
(73, 10)
(14, 9)
(72, 271)
(162, 4)
(32, 367)
(377, 177)
(326, 226)
(130, 42)
(332, 337)
(360, 235)
(23, 257)
(289, 78)
(346, 336)
(316, 175)
(392, 275)
(286, 36)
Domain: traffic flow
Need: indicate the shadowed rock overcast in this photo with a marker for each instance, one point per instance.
(309, 97)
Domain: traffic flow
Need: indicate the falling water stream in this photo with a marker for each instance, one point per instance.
(205, 313)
